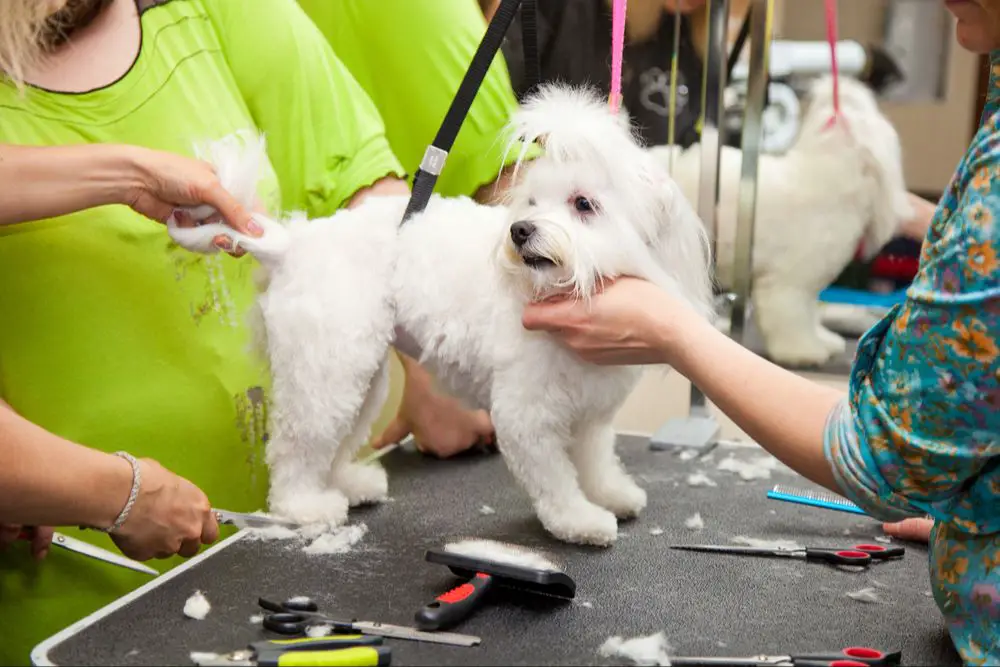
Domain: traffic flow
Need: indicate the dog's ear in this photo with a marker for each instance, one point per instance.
(882, 152)
(680, 241)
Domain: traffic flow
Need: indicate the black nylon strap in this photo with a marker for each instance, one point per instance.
(426, 177)
(529, 40)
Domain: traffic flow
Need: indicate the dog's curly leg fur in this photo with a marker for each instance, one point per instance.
(363, 484)
(602, 476)
(535, 448)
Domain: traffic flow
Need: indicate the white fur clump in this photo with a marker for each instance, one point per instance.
(337, 542)
(651, 650)
(319, 630)
(197, 606)
(700, 479)
(206, 658)
(256, 619)
(449, 289)
(318, 539)
(867, 595)
(694, 522)
(502, 552)
(759, 468)
(487, 510)
(836, 189)
(655, 532)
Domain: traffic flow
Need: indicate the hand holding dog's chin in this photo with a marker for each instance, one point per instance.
(630, 322)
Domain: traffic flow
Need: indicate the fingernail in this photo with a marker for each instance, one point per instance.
(223, 243)
(43, 553)
(254, 228)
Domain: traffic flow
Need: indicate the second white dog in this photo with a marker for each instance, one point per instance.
(836, 189)
(449, 287)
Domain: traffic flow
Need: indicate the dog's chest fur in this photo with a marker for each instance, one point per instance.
(454, 303)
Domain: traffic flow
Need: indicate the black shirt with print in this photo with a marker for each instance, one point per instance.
(575, 47)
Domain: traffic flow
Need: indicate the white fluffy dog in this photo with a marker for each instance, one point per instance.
(448, 287)
(836, 189)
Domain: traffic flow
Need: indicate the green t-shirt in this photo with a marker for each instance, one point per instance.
(410, 56)
(113, 337)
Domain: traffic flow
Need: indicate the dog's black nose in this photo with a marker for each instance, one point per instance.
(521, 231)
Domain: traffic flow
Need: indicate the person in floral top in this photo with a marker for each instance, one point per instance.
(918, 432)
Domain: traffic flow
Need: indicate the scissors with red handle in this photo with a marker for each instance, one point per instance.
(859, 555)
(855, 656)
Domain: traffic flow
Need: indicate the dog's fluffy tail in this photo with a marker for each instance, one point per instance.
(238, 160)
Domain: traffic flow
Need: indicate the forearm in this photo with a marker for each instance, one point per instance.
(38, 182)
(389, 186)
(780, 410)
(48, 481)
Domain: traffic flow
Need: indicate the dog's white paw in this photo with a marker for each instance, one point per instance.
(623, 497)
(834, 342)
(311, 507)
(580, 523)
(362, 484)
(805, 352)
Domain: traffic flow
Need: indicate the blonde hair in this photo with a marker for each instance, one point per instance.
(21, 24)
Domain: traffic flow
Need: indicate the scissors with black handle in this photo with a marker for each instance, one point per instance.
(860, 555)
(854, 656)
(295, 616)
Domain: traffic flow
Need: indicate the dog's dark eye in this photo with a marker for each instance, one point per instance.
(583, 205)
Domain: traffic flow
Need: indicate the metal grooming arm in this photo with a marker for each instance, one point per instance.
(700, 429)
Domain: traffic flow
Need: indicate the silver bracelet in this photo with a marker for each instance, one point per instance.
(133, 494)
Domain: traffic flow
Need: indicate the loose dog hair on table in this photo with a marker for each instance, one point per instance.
(448, 288)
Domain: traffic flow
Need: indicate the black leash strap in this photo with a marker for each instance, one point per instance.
(437, 153)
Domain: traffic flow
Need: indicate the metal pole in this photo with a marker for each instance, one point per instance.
(700, 430)
(760, 40)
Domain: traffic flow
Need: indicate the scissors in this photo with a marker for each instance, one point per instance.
(854, 656)
(858, 555)
(294, 616)
(91, 551)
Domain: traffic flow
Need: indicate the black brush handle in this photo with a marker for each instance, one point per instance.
(450, 608)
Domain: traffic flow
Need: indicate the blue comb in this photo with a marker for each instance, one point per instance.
(823, 499)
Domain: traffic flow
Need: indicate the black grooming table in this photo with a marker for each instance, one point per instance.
(706, 604)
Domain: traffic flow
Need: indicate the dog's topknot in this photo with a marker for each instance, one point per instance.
(573, 123)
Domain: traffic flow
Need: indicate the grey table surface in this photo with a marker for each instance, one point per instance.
(705, 604)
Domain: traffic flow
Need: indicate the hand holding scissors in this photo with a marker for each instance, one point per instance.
(860, 555)
(854, 656)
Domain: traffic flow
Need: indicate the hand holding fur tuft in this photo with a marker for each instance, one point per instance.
(238, 160)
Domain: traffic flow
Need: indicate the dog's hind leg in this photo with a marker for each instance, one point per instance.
(363, 483)
(786, 317)
(535, 446)
(601, 474)
(321, 383)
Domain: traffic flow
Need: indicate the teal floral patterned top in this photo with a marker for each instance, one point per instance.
(919, 432)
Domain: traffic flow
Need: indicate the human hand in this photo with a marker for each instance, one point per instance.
(441, 425)
(622, 325)
(41, 538)
(170, 516)
(911, 530)
(168, 182)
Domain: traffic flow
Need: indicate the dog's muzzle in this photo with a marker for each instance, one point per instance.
(521, 233)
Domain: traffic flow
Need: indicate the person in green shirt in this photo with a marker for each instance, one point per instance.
(113, 337)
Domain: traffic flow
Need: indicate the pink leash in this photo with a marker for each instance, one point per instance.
(617, 52)
(831, 36)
